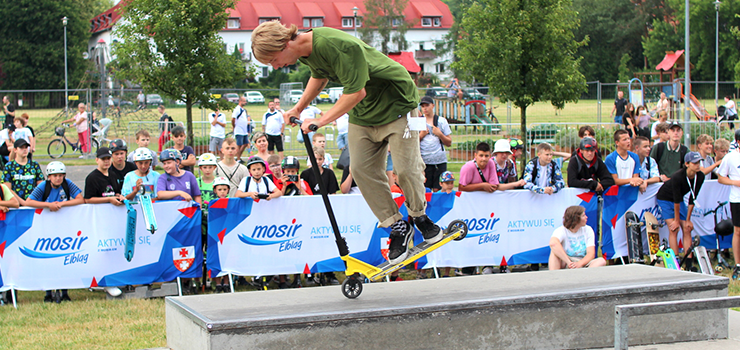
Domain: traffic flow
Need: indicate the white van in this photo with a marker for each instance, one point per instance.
(335, 93)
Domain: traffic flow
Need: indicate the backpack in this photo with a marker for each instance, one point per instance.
(47, 190)
(535, 161)
(661, 148)
(435, 122)
(596, 165)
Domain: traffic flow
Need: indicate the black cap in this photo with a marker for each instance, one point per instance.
(426, 99)
(675, 124)
(20, 143)
(104, 152)
(737, 135)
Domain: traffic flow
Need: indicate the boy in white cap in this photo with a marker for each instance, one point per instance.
(505, 167)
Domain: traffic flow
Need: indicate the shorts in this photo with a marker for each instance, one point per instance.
(242, 140)
(342, 141)
(432, 173)
(735, 212)
(215, 145)
(666, 209)
(274, 141)
(578, 258)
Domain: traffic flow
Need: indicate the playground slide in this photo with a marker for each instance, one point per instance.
(484, 119)
(699, 111)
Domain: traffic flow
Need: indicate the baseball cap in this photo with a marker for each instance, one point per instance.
(588, 143)
(674, 124)
(446, 177)
(692, 157)
(20, 143)
(426, 99)
(104, 152)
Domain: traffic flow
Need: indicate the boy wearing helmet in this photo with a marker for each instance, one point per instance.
(207, 163)
(119, 166)
(256, 184)
(175, 183)
(221, 190)
(141, 178)
(292, 184)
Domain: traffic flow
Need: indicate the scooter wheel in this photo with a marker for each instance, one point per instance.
(352, 287)
(457, 225)
(718, 268)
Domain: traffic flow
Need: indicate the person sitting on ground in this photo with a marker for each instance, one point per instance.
(705, 145)
(542, 175)
(648, 166)
(53, 194)
(143, 178)
(142, 140)
(229, 168)
(257, 183)
(662, 118)
(327, 175)
(319, 140)
(505, 167)
(479, 174)
(572, 245)
(623, 164)
(119, 166)
(677, 215)
(721, 148)
(670, 154)
(187, 153)
(22, 175)
(586, 170)
(176, 184)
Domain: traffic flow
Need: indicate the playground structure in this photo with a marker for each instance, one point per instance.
(467, 112)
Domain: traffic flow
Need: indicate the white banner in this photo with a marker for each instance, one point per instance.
(83, 246)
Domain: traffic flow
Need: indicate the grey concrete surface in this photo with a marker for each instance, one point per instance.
(77, 173)
(535, 310)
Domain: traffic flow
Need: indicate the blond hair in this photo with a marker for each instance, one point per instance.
(318, 151)
(704, 138)
(269, 38)
(721, 145)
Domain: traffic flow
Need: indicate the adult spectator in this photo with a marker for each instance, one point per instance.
(310, 112)
(662, 118)
(670, 199)
(273, 125)
(453, 88)
(218, 131)
(479, 174)
(648, 166)
(142, 100)
(241, 121)
(643, 121)
(9, 111)
(342, 131)
(80, 122)
(22, 175)
(166, 123)
(572, 245)
(618, 109)
(432, 143)
(259, 139)
(730, 110)
(623, 165)
(670, 154)
(505, 167)
(277, 105)
(542, 175)
(663, 105)
(705, 145)
(729, 174)
(119, 166)
(6, 143)
(586, 170)
(628, 118)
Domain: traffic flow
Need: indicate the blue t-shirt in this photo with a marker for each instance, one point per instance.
(149, 181)
(186, 183)
(56, 194)
(624, 168)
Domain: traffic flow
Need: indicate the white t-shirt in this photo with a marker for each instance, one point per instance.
(543, 177)
(81, 127)
(264, 186)
(310, 112)
(624, 168)
(217, 130)
(3, 135)
(22, 133)
(343, 124)
(654, 132)
(273, 122)
(729, 168)
(575, 243)
(242, 121)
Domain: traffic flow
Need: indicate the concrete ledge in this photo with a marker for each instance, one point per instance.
(534, 310)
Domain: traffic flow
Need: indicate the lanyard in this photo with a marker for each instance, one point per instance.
(693, 195)
(480, 172)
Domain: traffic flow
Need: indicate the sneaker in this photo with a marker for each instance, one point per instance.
(736, 272)
(400, 237)
(219, 288)
(431, 232)
(333, 281)
(65, 297)
(48, 299)
(112, 291)
(487, 270)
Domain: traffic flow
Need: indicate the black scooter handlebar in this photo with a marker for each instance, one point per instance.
(295, 120)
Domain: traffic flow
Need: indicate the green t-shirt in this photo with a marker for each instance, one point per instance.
(344, 59)
(206, 192)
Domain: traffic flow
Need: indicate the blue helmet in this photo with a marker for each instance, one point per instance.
(170, 154)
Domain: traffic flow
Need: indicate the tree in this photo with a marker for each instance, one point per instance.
(173, 47)
(524, 50)
(384, 22)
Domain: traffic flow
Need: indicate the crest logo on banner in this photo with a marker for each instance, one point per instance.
(183, 257)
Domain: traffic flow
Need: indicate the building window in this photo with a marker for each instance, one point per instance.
(347, 22)
(426, 21)
(241, 48)
(437, 21)
(266, 19)
(313, 22)
(421, 65)
(358, 22)
(440, 68)
(396, 22)
(232, 23)
(265, 72)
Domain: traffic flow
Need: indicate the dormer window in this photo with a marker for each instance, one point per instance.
(313, 22)
(232, 23)
(431, 21)
(267, 19)
(347, 22)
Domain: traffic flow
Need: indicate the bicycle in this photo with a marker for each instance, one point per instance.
(58, 147)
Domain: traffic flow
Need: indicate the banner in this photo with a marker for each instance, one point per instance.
(83, 246)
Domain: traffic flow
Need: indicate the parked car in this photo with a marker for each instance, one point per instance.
(154, 99)
(473, 94)
(294, 96)
(254, 97)
(335, 93)
(323, 97)
(436, 92)
(232, 97)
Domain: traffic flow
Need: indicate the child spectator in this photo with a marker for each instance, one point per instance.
(586, 170)
(221, 190)
(662, 118)
(175, 183)
(648, 166)
(218, 131)
(6, 143)
(7, 200)
(705, 145)
(542, 174)
(273, 168)
(517, 148)
(479, 174)
(572, 245)
(447, 182)
(53, 194)
(80, 122)
(207, 164)
(101, 186)
(188, 155)
(319, 140)
(22, 175)
(142, 178)
(677, 215)
(22, 132)
(623, 164)
(348, 184)
(229, 168)
(432, 144)
(327, 175)
(662, 130)
(505, 167)
(628, 118)
(166, 124)
(292, 184)
(670, 154)
(273, 125)
(257, 185)
(142, 140)
(721, 148)
(119, 166)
